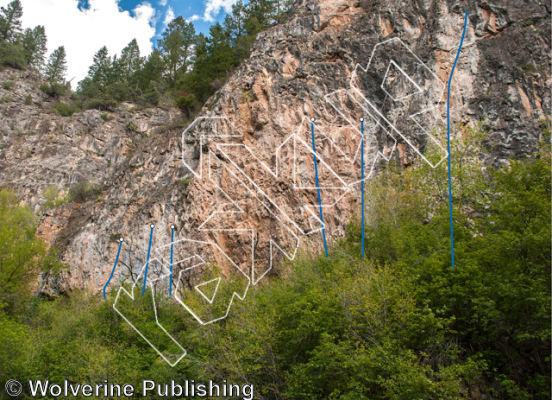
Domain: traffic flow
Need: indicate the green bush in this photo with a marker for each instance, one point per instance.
(53, 89)
(53, 198)
(107, 117)
(12, 55)
(101, 104)
(8, 85)
(64, 109)
(28, 100)
(399, 323)
(187, 103)
(83, 191)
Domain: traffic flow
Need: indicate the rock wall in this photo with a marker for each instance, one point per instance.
(251, 184)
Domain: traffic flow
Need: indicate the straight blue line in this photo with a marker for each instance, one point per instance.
(114, 266)
(172, 241)
(448, 140)
(147, 264)
(362, 178)
(318, 188)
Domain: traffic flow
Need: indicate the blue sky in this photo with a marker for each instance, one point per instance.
(84, 26)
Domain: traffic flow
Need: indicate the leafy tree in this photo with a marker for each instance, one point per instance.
(10, 21)
(22, 255)
(34, 44)
(57, 66)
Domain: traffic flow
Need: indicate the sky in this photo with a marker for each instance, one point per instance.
(84, 26)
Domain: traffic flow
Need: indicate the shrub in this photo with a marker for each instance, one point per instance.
(185, 181)
(8, 85)
(12, 55)
(64, 109)
(83, 191)
(187, 103)
(53, 198)
(107, 117)
(28, 100)
(101, 104)
(53, 89)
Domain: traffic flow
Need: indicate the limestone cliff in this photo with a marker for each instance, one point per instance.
(334, 61)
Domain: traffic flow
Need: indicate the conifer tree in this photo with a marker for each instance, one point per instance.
(34, 45)
(130, 61)
(177, 46)
(100, 70)
(57, 66)
(10, 21)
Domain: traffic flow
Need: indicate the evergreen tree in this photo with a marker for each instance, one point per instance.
(100, 70)
(234, 23)
(152, 71)
(177, 46)
(263, 11)
(130, 61)
(34, 44)
(10, 21)
(57, 66)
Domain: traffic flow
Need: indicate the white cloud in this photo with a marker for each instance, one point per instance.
(213, 8)
(169, 16)
(84, 32)
(162, 3)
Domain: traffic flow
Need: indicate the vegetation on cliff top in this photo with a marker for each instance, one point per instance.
(184, 70)
(399, 324)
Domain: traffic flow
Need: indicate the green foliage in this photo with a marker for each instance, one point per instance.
(22, 255)
(10, 21)
(187, 103)
(8, 85)
(28, 100)
(57, 66)
(398, 324)
(177, 47)
(34, 44)
(83, 191)
(185, 181)
(64, 109)
(12, 54)
(53, 198)
(53, 89)
(107, 117)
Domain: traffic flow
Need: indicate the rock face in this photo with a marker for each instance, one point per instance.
(242, 176)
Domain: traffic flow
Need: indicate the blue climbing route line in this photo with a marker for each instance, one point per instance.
(170, 278)
(114, 265)
(448, 139)
(318, 188)
(147, 263)
(362, 177)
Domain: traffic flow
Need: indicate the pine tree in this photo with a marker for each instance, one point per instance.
(152, 71)
(130, 61)
(100, 70)
(234, 23)
(57, 66)
(10, 21)
(177, 46)
(261, 10)
(34, 45)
